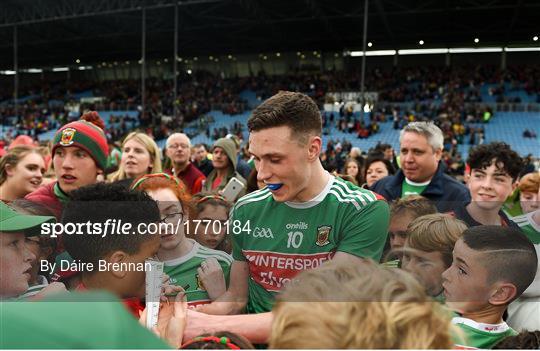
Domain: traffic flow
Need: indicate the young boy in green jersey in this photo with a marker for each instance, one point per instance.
(491, 267)
(201, 271)
(428, 249)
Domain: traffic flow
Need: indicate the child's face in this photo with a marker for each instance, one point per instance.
(529, 201)
(210, 236)
(398, 228)
(74, 168)
(171, 210)
(465, 283)
(490, 187)
(15, 264)
(427, 267)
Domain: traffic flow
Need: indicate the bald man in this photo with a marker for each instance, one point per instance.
(179, 151)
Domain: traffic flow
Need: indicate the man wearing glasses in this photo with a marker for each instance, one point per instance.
(179, 152)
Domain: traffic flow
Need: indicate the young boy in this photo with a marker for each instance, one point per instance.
(491, 267)
(79, 156)
(428, 249)
(111, 261)
(494, 170)
(15, 257)
(402, 212)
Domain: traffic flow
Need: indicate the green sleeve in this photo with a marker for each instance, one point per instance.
(92, 320)
(364, 234)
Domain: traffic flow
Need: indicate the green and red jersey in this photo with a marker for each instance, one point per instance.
(278, 240)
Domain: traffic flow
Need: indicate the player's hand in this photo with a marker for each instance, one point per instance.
(212, 278)
(198, 324)
(172, 320)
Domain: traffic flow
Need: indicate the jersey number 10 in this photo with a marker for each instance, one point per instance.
(295, 239)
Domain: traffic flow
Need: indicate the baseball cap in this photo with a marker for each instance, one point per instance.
(13, 221)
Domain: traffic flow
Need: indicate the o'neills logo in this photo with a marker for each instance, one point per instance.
(299, 225)
(323, 233)
(67, 136)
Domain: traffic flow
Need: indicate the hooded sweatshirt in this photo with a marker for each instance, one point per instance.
(230, 150)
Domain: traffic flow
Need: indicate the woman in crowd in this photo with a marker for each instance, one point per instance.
(21, 172)
(140, 156)
(354, 169)
(377, 167)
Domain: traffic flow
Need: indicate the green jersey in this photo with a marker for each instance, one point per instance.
(183, 271)
(480, 335)
(528, 226)
(75, 320)
(285, 238)
(409, 187)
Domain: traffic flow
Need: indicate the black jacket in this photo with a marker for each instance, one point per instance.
(443, 190)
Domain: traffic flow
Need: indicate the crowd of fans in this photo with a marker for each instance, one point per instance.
(406, 249)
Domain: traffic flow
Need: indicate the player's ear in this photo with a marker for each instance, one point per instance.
(503, 294)
(314, 147)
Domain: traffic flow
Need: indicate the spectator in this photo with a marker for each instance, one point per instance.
(140, 155)
(376, 169)
(224, 159)
(21, 172)
(354, 170)
(428, 250)
(481, 281)
(202, 272)
(15, 257)
(402, 213)
(494, 170)
(362, 303)
(202, 162)
(79, 155)
(212, 208)
(421, 173)
(179, 151)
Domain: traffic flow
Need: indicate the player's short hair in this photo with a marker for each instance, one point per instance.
(295, 110)
(429, 130)
(508, 254)
(506, 159)
(378, 308)
(99, 202)
(435, 232)
(415, 205)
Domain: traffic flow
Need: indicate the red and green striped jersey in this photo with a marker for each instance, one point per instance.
(287, 238)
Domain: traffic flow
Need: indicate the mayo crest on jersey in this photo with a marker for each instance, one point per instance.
(290, 237)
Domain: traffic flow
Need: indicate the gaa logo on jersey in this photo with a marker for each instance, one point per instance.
(323, 233)
(67, 136)
(200, 284)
